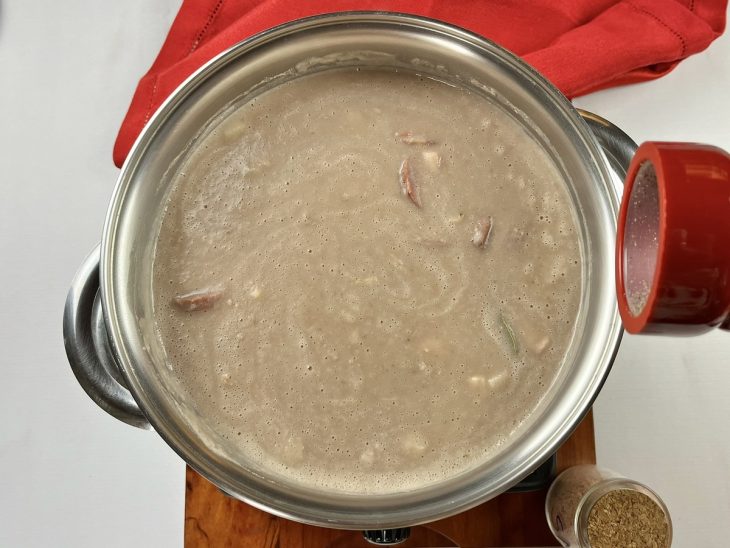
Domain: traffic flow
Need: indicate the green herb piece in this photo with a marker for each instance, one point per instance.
(510, 334)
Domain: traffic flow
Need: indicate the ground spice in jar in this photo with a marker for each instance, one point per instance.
(629, 519)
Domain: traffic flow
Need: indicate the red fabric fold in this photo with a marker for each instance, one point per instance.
(580, 45)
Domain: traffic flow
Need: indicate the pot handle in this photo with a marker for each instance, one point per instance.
(88, 349)
(618, 147)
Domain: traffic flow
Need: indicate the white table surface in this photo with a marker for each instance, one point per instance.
(73, 476)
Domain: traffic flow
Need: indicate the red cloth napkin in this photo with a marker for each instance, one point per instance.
(580, 45)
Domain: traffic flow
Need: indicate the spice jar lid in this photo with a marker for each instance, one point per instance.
(672, 257)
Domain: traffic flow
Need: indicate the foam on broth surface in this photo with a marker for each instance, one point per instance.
(350, 339)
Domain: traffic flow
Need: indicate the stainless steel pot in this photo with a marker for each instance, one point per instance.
(108, 319)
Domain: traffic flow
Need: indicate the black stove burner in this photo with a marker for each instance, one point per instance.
(539, 479)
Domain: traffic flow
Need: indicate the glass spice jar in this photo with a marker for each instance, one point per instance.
(592, 507)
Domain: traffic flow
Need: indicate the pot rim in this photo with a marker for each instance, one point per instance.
(365, 518)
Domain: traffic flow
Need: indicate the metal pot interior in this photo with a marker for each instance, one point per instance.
(326, 43)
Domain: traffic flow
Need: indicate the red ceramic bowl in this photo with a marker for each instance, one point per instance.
(673, 242)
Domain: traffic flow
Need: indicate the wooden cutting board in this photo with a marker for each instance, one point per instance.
(213, 520)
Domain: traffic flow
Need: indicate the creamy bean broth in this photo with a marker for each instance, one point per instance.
(366, 281)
